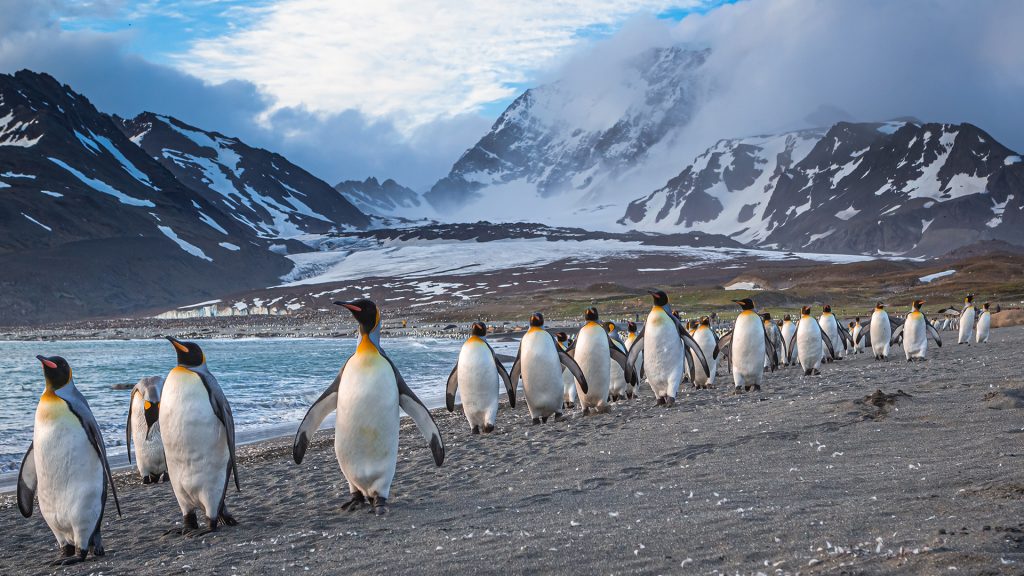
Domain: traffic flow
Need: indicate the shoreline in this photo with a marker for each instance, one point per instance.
(811, 475)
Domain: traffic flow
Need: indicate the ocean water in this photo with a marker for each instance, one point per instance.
(270, 383)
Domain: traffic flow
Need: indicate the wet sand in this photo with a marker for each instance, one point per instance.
(809, 475)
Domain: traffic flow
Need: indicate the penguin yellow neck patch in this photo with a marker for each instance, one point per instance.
(366, 346)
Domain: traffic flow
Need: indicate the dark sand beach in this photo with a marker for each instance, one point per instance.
(810, 476)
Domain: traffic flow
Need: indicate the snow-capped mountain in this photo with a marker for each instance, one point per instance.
(387, 198)
(900, 187)
(259, 189)
(90, 224)
(566, 140)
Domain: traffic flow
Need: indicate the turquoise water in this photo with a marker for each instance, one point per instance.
(270, 383)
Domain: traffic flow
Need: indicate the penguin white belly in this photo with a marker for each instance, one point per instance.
(568, 387)
(664, 364)
(149, 453)
(366, 432)
(788, 329)
(593, 356)
(984, 326)
(706, 340)
(966, 325)
(617, 385)
(195, 443)
(69, 474)
(881, 332)
(915, 336)
(748, 350)
(857, 344)
(478, 383)
(831, 329)
(542, 374)
(811, 348)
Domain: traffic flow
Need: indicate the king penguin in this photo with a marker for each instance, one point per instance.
(775, 338)
(568, 380)
(539, 362)
(880, 331)
(477, 372)
(367, 393)
(707, 342)
(66, 466)
(916, 330)
(749, 343)
(984, 325)
(788, 329)
(830, 326)
(967, 316)
(811, 342)
(855, 328)
(198, 432)
(593, 351)
(618, 388)
(664, 344)
(144, 424)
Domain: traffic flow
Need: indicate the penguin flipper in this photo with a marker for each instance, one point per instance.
(414, 407)
(770, 348)
(725, 341)
(896, 334)
(574, 369)
(930, 328)
(324, 405)
(828, 343)
(222, 409)
(451, 388)
(517, 368)
(695, 347)
(636, 350)
(620, 358)
(27, 482)
(510, 386)
(128, 426)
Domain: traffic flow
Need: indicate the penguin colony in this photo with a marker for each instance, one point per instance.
(184, 432)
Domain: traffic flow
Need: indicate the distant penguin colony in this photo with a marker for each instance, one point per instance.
(183, 430)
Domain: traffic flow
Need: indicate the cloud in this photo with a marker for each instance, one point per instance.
(413, 61)
(774, 63)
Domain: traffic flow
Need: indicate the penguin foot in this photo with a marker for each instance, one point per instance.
(475, 430)
(567, 405)
(97, 550)
(586, 410)
(227, 518)
(536, 421)
(737, 391)
(202, 531)
(669, 401)
(355, 503)
(603, 409)
(544, 419)
(147, 479)
(77, 556)
(488, 428)
(559, 416)
(67, 550)
(661, 401)
(165, 478)
(380, 506)
(815, 372)
(188, 524)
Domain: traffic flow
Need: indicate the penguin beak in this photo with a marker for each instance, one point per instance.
(46, 362)
(351, 307)
(152, 413)
(177, 345)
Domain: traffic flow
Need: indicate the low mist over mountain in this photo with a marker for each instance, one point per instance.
(875, 188)
(387, 198)
(558, 140)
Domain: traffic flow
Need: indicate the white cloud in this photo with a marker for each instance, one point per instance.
(413, 61)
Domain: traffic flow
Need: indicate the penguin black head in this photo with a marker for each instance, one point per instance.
(537, 319)
(879, 306)
(767, 316)
(986, 305)
(852, 324)
(969, 299)
(706, 322)
(56, 370)
(787, 318)
(189, 353)
(918, 304)
(610, 326)
(365, 312)
(631, 327)
(591, 314)
(746, 303)
(562, 337)
(827, 308)
(805, 311)
(856, 320)
(479, 329)
(659, 296)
